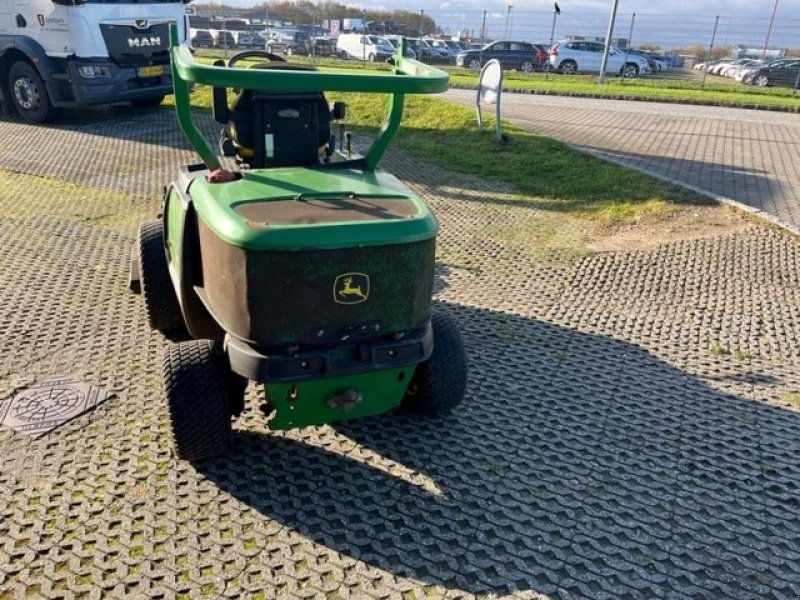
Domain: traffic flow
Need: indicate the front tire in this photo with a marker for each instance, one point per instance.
(197, 399)
(160, 303)
(526, 67)
(28, 93)
(474, 64)
(439, 383)
(761, 81)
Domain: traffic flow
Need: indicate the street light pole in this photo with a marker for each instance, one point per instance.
(769, 30)
(508, 18)
(556, 12)
(421, 18)
(608, 40)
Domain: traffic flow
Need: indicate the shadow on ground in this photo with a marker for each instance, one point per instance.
(578, 463)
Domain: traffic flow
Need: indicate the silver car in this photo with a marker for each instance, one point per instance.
(573, 56)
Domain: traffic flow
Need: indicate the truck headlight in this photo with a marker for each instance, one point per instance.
(94, 72)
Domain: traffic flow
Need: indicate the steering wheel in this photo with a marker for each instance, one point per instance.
(255, 54)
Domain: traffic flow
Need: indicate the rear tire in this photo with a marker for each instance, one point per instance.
(160, 303)
(526, 67)
(630, 70)
(568, 67)
(438, 384)
(28, 93)
(197, 399)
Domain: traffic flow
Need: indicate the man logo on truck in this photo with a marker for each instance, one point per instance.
(143, 42)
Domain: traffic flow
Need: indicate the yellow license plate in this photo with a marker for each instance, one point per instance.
(150, 71)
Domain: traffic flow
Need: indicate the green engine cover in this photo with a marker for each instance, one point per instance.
(345, 254)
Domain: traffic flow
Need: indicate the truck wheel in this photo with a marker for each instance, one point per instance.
(160, 303)
(439, 383)
(28, 93)
(197, 399)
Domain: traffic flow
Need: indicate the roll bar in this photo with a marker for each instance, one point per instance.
(408, 76)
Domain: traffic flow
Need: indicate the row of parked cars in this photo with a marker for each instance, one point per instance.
(775, 71)
(568, 57)
(279, 41)
(375, 47)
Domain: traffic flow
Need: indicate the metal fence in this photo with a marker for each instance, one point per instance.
(695, 35)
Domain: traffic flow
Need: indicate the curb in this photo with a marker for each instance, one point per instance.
(694, 101)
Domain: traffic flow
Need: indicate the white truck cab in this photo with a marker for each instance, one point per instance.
(59, 53)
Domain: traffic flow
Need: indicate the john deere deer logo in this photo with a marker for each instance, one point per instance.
(351, 288)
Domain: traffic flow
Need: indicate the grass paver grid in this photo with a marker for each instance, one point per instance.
(628, 429)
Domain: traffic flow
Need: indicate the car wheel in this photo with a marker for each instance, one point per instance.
(474, 64)
(439, 383)
(160, 303)
(28, 93)
(761, 80)
(289, 51)
(197, 399)
(371, 58)
(568, 67)
(630, 70)
(526, 67)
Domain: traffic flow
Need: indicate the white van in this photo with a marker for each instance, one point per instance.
(364, 47)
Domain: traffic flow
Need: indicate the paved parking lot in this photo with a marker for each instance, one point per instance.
(630, 428)
(749, 156)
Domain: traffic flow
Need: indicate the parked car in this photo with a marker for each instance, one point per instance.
(439, 50)
(250, 39)
(364, 47)
(522, 56)
(201, 38)
(275, 45)
(571, 56)
(452, 47)
(395, 40)
(661, 61)
(426, 52)
(782, 73)
(223, 38)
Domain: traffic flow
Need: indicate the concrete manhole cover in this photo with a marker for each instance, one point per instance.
(44, 407)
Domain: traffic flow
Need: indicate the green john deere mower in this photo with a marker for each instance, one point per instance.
(305, 268)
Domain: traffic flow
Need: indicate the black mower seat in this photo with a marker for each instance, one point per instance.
(278, 128)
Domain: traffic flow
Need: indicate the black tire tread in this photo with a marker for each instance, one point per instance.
(439, 383)
(160, 303)
(197, 400)
(46, 110)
